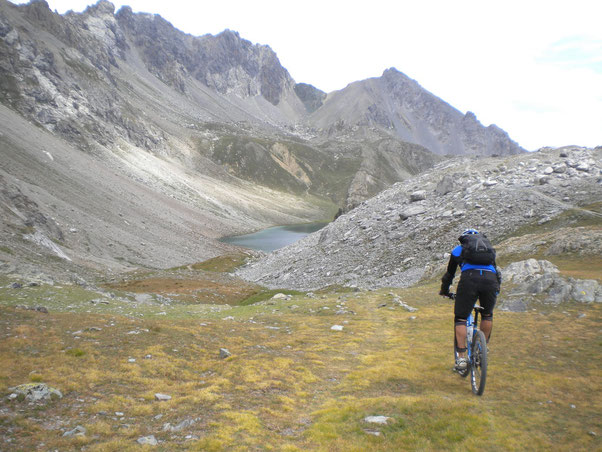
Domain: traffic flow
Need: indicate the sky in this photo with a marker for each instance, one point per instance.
(532, 67)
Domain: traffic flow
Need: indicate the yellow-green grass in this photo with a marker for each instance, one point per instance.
(292, 383)
(225, 263)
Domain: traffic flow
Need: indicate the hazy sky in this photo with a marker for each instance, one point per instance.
(532, 67)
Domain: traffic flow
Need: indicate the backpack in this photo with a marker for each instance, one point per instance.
(477, 250)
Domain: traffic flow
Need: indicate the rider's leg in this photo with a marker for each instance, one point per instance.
(487, 299)
(486, 326)
(461, 339)
(466, 297)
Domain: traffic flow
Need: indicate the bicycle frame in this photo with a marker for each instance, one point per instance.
(472, 326)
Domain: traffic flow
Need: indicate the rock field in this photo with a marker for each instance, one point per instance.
(404, 233)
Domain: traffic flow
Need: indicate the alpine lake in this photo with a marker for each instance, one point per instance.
(273, 238)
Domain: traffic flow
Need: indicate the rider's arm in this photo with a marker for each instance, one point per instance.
(448, 277)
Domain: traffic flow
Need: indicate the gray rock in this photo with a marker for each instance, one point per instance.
(514, 305)
(522, 271)
(584, 290)
(411, 211)
(445, 185)
(224, 353)
(35, 392)
(419, 195)
(180, 426)
(559, 292)
(77, 431)
(148, 440)
(162, 397)
(382, 420)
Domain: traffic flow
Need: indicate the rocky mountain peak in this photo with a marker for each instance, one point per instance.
(399, 106)
(102, 8)
(224, 62)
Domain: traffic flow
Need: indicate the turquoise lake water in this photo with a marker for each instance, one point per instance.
(271, 239)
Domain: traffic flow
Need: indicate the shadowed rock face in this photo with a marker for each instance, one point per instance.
(312, 97)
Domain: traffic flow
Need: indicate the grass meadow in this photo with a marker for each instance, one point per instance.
(291, 383)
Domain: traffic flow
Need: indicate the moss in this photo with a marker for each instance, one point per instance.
(77, 352)
(6, 249)
(266, 295)
(223, 264)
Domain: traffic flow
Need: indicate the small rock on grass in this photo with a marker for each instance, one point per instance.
(224, 353)
(162, 397)
(383, 420)
(148, 440)
(336, 327)
(34, 392)
(77, 431)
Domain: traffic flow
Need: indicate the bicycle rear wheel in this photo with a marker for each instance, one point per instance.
(478, 363)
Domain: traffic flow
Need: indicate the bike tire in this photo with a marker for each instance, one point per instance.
(478, 363)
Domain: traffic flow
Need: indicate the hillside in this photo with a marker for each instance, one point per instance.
(208, 133)
(402, 234)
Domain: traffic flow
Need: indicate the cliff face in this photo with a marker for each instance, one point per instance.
(225, 63)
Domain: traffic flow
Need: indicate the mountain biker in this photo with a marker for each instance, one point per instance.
(480, 279)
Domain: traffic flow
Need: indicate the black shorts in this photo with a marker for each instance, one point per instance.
(473, 285)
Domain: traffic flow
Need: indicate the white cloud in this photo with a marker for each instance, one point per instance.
(514, 63)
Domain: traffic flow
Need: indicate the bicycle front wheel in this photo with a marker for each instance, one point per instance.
(478, 363)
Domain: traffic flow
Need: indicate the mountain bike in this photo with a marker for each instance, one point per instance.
(476, 348)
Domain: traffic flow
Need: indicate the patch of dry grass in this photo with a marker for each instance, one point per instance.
(294, 384)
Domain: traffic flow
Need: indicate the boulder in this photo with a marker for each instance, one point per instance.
(411, 211)
(35, 392)
(585, 290)
(147, 440)
(445, 185)
(419, 195)
(518, 272)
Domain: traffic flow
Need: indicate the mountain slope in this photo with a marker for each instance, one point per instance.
(212, 124)
(120, 211)
(399, 105)
(403, 233)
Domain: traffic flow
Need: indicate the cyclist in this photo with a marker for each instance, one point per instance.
(480, 279)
